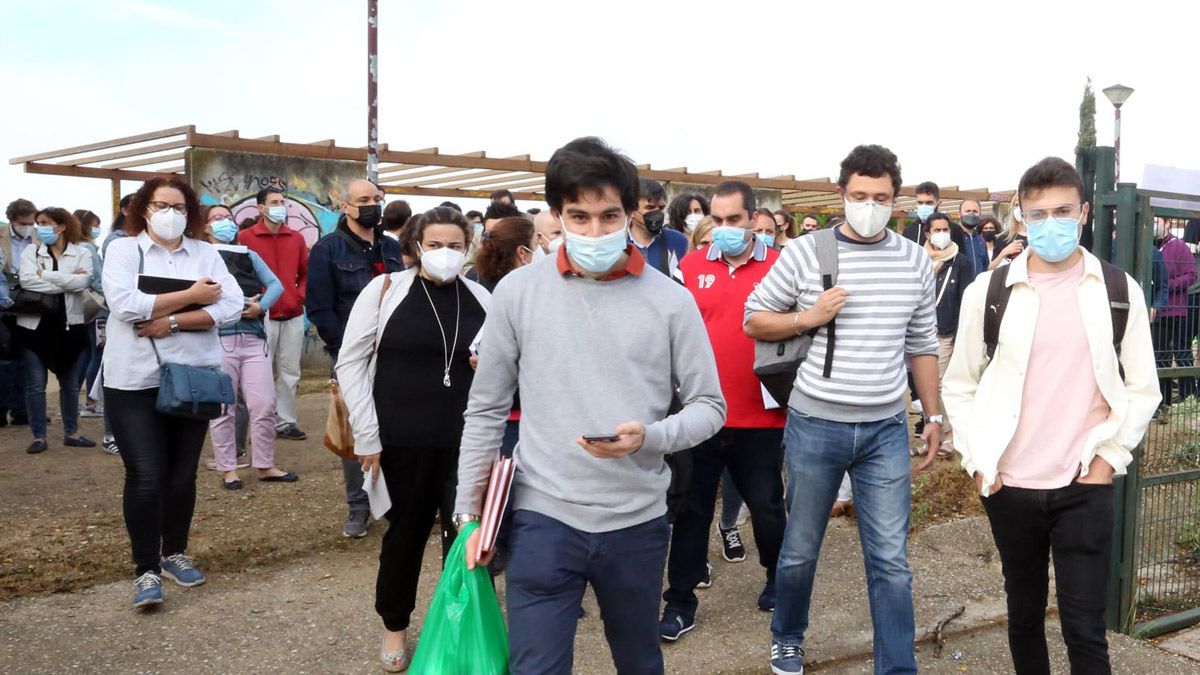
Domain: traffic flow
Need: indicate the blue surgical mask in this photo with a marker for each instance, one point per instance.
(924, 211)
(1054, 239)
(277, 214)
(768, 239)
(729, 239)
(224, 230)
(47, 234)
(596, 254)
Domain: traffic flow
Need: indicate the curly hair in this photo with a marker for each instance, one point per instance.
(136, 223)
(61, 216)
(498, 253)
(872, 161)
(677, 212)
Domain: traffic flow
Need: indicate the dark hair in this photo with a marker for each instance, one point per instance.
(498, 252)
(119, 221)
(590, 164)
(871, 161)
(265, 193)
(534, 211)
(677, 211)
(651, 190)
(19, 208)
(85, 219)
(206, 211)
(407, 238)
(956, 231)
(442, 215)
(789, 224)
(474, 214)
(1048, 173)
(1191, 231)
(396, 214)
(500, 210)
(989, 220)
(497, 195)
(136, 223)
(247, 223)
(63, 217)
(731, 187)
(449, 205)
(929, 188)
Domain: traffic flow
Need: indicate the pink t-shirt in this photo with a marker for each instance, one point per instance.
(1061, 402)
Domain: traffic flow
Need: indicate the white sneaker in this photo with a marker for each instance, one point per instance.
(917, 407)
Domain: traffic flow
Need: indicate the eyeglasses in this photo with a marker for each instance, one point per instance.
(163, 206)
(1071, 211)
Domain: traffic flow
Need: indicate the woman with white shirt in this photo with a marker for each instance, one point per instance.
(164, 232)
(55, 340)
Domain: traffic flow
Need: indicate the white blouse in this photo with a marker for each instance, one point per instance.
(129, 361)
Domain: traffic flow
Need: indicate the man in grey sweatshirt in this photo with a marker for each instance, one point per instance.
(598, 347)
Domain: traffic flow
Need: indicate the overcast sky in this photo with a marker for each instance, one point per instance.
(966, 93)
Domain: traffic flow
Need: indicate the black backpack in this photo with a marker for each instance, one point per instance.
(1116, 283)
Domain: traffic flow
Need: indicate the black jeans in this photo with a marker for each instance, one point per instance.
(421, 483)
(1074, 523)
(160, 454)
(1173, 343)
(755, 460)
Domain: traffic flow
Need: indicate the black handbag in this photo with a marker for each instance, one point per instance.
(26, 301)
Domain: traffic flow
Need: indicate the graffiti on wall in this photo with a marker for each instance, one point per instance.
(313, 187)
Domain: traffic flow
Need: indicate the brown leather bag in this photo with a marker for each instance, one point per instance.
(339, 437)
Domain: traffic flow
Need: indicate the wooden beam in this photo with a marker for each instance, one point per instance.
(505, 184)
(430, 172)
(130, 152)
(273, 138)
(92, 172)
(272, 147)
(436, 192)
(497, 180)
(328, 142)
(104, 145)
(144, 161)
(452, 179)
(396, 168)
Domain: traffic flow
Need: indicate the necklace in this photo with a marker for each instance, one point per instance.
(448, 349)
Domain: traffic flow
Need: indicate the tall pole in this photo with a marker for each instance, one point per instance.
(373, 90)
(1117, 144)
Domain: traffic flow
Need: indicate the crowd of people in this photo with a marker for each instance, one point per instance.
(608, 343)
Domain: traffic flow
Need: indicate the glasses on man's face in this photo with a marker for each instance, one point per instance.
(163, 206)
(1071, 211)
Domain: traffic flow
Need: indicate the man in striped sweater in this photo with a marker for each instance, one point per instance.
(854, 419)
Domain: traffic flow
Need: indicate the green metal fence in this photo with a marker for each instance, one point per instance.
(1155, 580)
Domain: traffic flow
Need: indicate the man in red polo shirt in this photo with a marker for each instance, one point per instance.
(720, 278)
(285, 252)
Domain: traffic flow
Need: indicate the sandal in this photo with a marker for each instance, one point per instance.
(946, 450)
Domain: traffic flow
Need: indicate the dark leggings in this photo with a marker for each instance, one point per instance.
(160, 454)
(421, 483)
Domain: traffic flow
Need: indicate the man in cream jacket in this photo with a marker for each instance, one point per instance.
(1047, 424)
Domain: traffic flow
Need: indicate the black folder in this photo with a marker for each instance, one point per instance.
(152, 285)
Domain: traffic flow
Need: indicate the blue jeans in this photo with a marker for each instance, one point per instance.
(731, 502)
(68, 394)
(876, 456)
(12, 386)
(551, 566)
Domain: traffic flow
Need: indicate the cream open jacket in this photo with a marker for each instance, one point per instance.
(63, 282)
(356, 359)
(984, 405)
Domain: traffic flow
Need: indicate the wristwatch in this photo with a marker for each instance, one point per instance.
(461, 519)
(173, 325)
(936, 419)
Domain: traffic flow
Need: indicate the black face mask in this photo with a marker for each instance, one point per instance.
(369, 215)
(970, 221)
(989, 236)
(654, 221)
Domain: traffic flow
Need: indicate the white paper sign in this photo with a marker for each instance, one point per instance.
(377, 493)
(769, 401)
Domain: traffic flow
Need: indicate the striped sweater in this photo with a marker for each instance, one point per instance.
(889, 316)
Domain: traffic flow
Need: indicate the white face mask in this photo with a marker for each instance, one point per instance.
(168, 225)
(692, 220)
(867, 218)
(940, 240)
(23, 231)
(556, 244)
(537, 253)
(442, 264)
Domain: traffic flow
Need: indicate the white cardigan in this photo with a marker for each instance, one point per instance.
(65, 281)
(356, 359)
(984, 403)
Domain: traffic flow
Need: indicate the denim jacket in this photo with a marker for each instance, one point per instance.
(340, 265)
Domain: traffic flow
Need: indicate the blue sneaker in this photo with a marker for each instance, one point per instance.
(787, 659)
(674, 625)
(147, 591)
(180, 569)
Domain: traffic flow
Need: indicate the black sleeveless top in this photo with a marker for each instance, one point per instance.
(414, 408)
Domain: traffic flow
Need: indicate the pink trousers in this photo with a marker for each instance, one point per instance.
(248, 363)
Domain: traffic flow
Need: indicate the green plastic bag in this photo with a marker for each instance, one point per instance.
(464, 631)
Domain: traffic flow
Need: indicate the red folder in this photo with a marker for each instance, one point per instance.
(495, 502)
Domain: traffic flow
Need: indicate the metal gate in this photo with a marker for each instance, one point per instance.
(1155, 581)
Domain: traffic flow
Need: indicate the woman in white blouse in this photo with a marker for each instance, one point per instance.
(164, 232)
(55, 340)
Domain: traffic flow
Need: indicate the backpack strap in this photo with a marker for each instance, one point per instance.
(1116, 284)
(827, 265)
(993, 312)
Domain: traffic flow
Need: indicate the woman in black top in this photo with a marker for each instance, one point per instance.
(405, 374)
(504, 248)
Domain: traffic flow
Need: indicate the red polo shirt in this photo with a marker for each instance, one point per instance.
(634, 264)
(721, 293)
(286, 253)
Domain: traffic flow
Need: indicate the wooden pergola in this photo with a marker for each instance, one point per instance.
(424, 172)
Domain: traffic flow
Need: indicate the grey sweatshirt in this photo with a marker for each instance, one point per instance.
(588, 356)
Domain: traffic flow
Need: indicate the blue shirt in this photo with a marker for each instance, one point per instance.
(665, 251)
(976, 250)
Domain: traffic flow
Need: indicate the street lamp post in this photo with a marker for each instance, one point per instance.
(1117, 95)
(373, 91)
